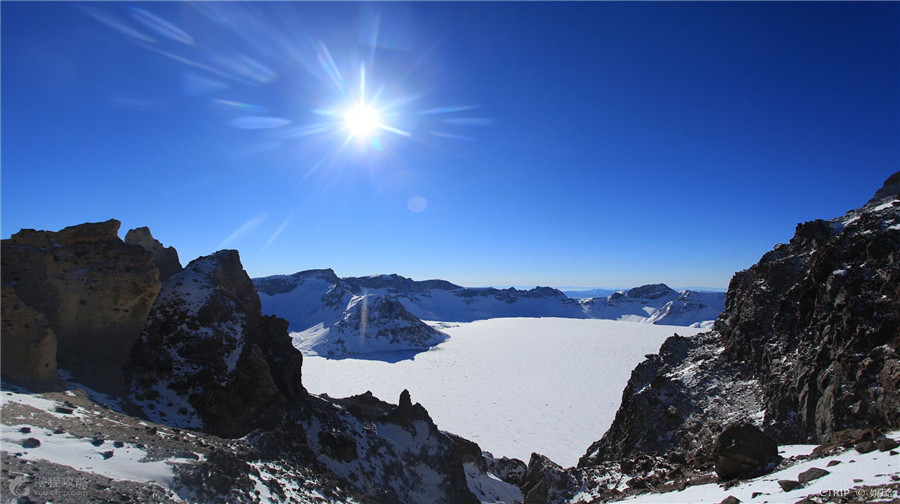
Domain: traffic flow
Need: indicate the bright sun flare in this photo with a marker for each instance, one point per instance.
(361, 120)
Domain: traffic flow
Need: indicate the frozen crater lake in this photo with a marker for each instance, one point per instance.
(513, 385)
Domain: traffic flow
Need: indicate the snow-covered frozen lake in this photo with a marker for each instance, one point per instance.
(513, 385)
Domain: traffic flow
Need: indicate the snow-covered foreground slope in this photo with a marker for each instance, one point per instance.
(513, 385)
(851, 475)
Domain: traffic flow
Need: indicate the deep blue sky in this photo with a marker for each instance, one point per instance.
(565, 144)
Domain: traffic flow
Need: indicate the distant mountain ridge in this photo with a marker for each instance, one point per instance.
(658, 304)
(326, 317)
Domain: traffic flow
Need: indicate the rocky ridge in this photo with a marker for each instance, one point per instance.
(200, 362)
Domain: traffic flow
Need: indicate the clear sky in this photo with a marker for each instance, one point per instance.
(565, 144)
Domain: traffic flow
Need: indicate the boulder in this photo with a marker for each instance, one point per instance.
(94, 290)
(810, 474)
(788, 485)
(742, 450)
(28, 345)
(165, 258)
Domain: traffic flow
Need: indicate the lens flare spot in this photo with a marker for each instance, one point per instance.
(417, 204)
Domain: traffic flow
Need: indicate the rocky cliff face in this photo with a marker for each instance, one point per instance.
(93, 290)
(28, 345)
(678, 400)
(202, 361)
(806, 347)
(818, 322)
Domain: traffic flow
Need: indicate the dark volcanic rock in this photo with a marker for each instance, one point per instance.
(208, 359)
(678, 400)
(389, 453)
(811, 474)
(743, 450)
(543, 480)
(810, 335)
(788, 485)
(94, 290)
(818, 322)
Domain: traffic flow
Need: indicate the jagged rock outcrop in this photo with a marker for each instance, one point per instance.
(818, 322)
(807, 346)
(389, 453)
(545, 481)
(679, 399)
(812, 330)
(165, 258)
(93, 289)
(208, 359)
(28, 345)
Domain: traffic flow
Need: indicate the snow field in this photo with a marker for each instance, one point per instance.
(513, 385)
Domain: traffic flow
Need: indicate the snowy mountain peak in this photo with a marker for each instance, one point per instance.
(650, 291)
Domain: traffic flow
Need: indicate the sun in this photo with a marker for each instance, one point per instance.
(361, 120)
